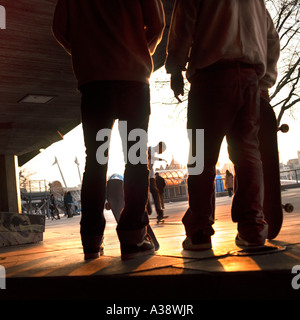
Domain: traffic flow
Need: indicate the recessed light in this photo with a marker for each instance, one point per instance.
(37, 98)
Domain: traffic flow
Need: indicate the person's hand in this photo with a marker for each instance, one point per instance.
(177, 84)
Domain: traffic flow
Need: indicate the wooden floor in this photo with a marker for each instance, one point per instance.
(37, 270)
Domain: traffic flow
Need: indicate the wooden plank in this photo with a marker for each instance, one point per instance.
(17, 238)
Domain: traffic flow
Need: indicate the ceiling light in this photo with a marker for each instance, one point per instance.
(37, 98)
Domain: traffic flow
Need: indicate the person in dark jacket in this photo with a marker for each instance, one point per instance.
(161, 185)
(229, 182)
(229, 46)
(68, 204)
(111, 44)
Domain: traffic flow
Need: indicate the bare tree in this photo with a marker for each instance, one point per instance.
(179, 110)
(286, 93)
(25, 178)
(286, 16)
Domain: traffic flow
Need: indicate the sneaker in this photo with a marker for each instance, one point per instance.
(160, 217)
(92, 246)
(130, 251)
(94, 255)
(160, 213)
(197, 242)
(239, 241)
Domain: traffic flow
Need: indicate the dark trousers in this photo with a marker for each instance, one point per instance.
(69, 210)
(102, 103)
(156, 199)
(224, 101)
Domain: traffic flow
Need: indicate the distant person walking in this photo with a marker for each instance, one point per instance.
(53, 208)
(153, 187)
(111, 43)
(229, 182)
(161, 185)
(69, 204)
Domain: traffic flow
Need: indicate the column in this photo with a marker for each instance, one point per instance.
(10, 199)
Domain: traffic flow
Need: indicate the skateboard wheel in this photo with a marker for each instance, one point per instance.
(288, 207)
(284, 128)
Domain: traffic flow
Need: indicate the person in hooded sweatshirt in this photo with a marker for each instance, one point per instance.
(229, 46)
(111, 44)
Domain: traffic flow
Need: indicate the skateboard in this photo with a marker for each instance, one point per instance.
(161, 219)
(254, 251)
(273, 208)
(115, 202)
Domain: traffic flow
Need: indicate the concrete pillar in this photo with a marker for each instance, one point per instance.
(10, 199)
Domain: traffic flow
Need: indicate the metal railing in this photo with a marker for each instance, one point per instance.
(179, 192)
(35, 198)
(290, 177)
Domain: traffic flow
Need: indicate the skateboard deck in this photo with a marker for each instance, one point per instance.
(270, 162)
(254, 251)
(160, 220)
(115, 198)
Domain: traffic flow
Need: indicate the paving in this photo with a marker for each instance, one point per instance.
(55, 269)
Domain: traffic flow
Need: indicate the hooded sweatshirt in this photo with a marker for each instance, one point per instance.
(203, 32)
(109, 39)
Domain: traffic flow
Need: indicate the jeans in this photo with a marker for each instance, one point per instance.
(156, 199)
(102, 103)
(224, 101)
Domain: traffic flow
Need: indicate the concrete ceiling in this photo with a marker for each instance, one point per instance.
(31, 62)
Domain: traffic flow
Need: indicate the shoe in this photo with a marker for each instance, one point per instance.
(92, 246)
(197, 242)
(160, 213)
(239, 241)
(160, 217)
(94, 255)
(131, 251)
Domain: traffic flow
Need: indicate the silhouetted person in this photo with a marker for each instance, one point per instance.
(53, 208)
(68, 204)
(153, 187)
(226, 43)
(229, 182)
(111, 43)
(161, 184)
